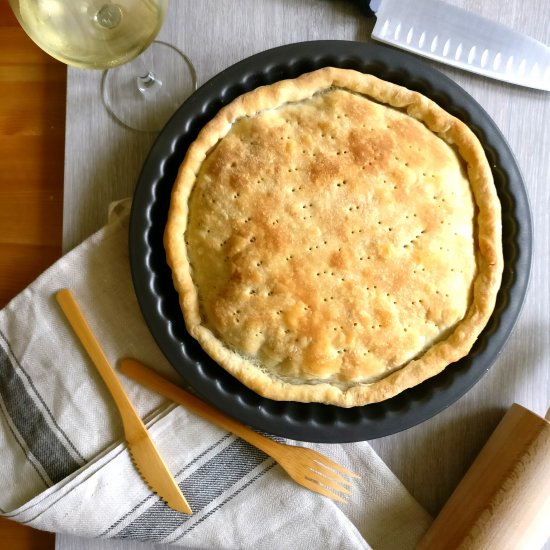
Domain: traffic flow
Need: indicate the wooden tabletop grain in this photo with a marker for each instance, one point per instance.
(32, 131)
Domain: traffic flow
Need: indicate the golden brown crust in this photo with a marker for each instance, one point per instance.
(335, 238)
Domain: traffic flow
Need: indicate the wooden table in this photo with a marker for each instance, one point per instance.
(32, 136)
(431, 458)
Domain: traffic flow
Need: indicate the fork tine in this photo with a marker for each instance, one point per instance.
(327, 472)
(327, 462)
(321, 479)
(316, 488)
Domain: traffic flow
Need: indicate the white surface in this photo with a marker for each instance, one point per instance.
(103, 161)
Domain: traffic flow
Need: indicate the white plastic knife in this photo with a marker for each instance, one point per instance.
(451, 35)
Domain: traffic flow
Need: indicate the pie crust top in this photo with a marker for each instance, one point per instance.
(335, 238)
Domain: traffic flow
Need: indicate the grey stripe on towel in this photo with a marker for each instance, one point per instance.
(202, 487)
(33, 428)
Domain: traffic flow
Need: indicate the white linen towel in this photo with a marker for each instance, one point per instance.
(64, 466)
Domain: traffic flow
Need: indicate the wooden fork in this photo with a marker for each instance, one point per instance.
(305, 466)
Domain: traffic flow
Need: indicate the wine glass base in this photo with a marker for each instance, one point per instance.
(145, 92)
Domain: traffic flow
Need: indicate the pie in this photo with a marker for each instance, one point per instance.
(335, 238)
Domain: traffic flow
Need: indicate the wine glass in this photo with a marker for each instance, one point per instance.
(145, 80)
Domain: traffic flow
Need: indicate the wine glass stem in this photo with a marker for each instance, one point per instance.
(148, 84)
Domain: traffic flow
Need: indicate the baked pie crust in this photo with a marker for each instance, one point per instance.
(335, 238)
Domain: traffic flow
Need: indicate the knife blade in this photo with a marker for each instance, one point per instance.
(454, 36)
(143, 451)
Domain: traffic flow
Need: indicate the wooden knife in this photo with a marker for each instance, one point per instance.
(143, 451)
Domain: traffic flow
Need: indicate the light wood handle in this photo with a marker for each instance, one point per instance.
(503, 501)
(133, 425)
(151, 465)
(149, 378)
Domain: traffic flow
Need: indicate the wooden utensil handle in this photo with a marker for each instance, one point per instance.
(150, 463)
(78, 322)
(503, 500)
(149, 378)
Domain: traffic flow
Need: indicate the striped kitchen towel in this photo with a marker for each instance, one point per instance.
(64, 466)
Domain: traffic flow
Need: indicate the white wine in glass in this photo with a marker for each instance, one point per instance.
(146, 80)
